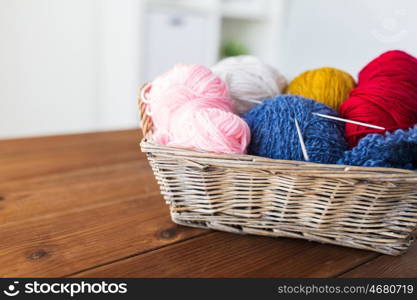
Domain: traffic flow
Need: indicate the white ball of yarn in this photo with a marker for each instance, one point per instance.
(249, 80)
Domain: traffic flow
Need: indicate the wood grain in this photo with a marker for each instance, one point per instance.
(71, 203)
(229, 255)
(388, 266)
(45, 195)
(26, 158)
(53, 143)
(81, 238)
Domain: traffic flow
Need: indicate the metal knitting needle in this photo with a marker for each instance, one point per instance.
(252, 101)
(300, 137)
(349, 121)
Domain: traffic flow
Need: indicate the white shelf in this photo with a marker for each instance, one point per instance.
(244, 9)
(254, 23)
(242, 15)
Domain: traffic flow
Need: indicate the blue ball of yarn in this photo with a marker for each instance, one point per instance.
(392, 150)
(274, 133)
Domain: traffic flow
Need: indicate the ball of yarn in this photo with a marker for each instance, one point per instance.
(274, 133)
(249, 80)
(327, 85)
(181, 84)
(393, 150)
(191, 108)
(210, 129)
(386, 96)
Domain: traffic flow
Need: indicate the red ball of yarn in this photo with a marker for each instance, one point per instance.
(386, 96)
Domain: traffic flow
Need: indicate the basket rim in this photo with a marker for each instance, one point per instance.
(206, 159)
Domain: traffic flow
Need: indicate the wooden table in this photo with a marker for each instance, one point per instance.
(88, 206)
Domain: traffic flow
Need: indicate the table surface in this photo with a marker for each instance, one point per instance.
(88, 205)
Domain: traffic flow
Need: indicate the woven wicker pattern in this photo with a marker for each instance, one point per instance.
(359, 207)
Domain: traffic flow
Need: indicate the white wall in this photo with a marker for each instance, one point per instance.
(346, 33)
(120, 69)
(75, 65)
(68, 65)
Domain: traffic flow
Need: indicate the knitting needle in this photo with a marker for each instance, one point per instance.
(252, 101)
(349, 121)
(300, 137)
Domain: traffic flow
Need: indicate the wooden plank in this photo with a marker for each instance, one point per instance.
(43, 194)
(61, 244)
(138, 167)
(57, 142)
(404, 266)
(69, 203)
(40, 196)
(26, 158)
(228, 255)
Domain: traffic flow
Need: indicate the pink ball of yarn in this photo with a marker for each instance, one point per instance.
(191, 108)
(210, 129)
(184, 83)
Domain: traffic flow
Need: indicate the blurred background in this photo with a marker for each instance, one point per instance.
(69, 66)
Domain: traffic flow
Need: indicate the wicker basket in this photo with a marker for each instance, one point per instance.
(358, 207)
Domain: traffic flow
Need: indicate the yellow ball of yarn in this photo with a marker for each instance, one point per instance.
(327, 85)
